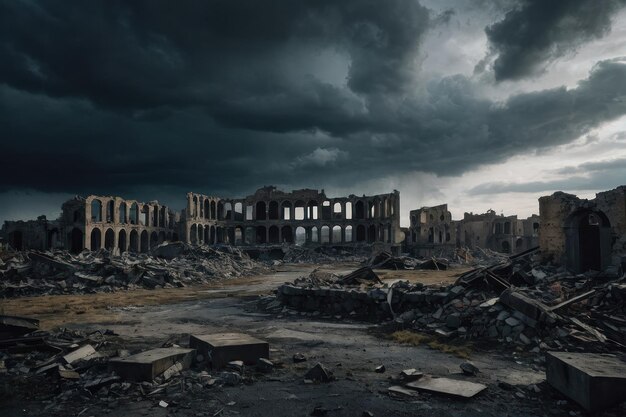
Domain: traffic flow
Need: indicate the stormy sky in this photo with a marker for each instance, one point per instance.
(483, 104)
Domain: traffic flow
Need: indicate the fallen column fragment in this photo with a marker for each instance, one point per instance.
(146, 366)
(595, 381)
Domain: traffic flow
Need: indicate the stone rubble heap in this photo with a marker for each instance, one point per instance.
(169, 265)
(518, 302)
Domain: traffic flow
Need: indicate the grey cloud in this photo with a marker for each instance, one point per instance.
(536, 32)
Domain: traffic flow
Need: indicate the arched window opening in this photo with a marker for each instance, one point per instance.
(96, 239)
(123, 216)
(261, 213)
(109, 239)
(273, 210)
(96, 211)
(325, 234)
(286, 234)
(337, 238)
(300, 236)
(348, 214)
(110, 211)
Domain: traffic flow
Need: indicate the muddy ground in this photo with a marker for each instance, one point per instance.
(352, 350)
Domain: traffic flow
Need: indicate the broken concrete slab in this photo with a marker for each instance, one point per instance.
(222, 348)
(82, 353)
(146, 366)
(595, 381)
(401, 391)
(447, 386)
(13, 326)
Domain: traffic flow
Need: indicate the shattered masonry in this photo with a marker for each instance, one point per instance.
(269, 216)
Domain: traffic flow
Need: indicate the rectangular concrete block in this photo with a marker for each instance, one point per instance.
(595, 381)
(146, 366)
(222, 348)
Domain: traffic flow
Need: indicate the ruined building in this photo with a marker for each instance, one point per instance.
(584, 234)
(271, 216)
(268, 217)
(433, 230)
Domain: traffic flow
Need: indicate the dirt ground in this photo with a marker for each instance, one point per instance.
(61, 310)
(351, 350)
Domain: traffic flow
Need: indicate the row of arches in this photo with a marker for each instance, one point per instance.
(133, 213)
(122, 240)
(201, 208)
(254, 235)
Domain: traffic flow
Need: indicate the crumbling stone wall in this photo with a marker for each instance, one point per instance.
(568, 232)
(306, 217)
(38, 234)
(497, 232)
(431, 228)
(116, 224)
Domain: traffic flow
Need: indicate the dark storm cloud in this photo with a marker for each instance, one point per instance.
(536, 32)
(224, 96)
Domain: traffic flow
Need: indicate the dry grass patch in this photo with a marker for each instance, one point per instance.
(407, 337)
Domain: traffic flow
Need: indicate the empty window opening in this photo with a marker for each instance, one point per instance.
(337, 211)
(348, 213)
(110, 211)
(286, 210)
(273, 210)
(261, 211)
(123, 218)
(96, 211)
(314, 234)
(133, 241)
(249, 213)
(348, 234)
(273, 234)
(238, 212)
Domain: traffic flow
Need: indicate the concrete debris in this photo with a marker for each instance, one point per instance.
(498, 303)
(595, 381)
(447, 386)
(380, 369)
(264, 365)
(223, 348)
(319, 374)
(398, 390)
(469, 368)
(170, 265)
(230, 378)
(410, 374)
(145, 366)
(12, 326)
(298, 357)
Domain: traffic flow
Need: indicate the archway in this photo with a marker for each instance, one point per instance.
(154, 240)
(96, 239)
(371, 234)
(519, 244)
(588, 241)
(325, 234)
(260, 211)
(300, 236)
(193, 234)
(286, 210)
(337, 238)
(96, 211)
(121, 241)
(359, 210)
(273, 210)
(109, 239)
(16, 240)
(360, 233)
(110, 211)
(133, 241)
(348, 233)
(506, 247)
(144, 242)
(273, 234)
(261, 234)
(287, 235)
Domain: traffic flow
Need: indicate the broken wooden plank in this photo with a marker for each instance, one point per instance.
(573, 300)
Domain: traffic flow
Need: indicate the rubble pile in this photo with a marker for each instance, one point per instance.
(169, 265)
(517, 301)
(323, 254)
(96, 366)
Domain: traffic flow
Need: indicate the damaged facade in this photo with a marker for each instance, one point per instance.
(268, 217)
(433, 230)
(584, 234)
(303, 217)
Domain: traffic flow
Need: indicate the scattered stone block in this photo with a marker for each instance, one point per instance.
(146, 366)
(82, 353)
(298, 357)
(319, 374)
(469, 368)
(401, 391)
(264, 365)
(595, 381)
(222, 348)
